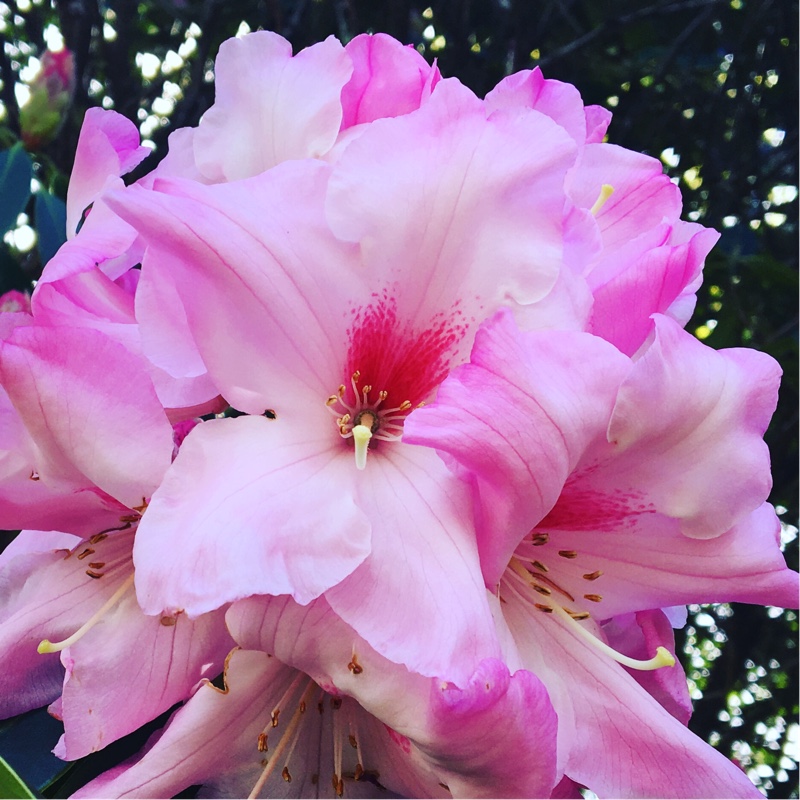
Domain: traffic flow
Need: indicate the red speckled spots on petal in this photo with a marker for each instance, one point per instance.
(394, 357)
(587, 509)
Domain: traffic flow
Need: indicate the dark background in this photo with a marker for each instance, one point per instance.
(710, 86)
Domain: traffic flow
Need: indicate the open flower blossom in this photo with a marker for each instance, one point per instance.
(445, 334)
(605, 493)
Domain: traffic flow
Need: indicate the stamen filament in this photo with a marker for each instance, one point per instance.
(662, 658)
(46, 646)
(287, 739)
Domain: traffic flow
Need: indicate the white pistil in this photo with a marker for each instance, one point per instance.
(662, 658)
(606, 190)
(46, 646)
(361, 436)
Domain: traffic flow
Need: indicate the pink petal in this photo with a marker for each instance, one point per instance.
(495, 718)
(422, 537)
(130, 668)
(232, 518)
(687, 430)
(249, 260)
(516, 421)
(638, 636)
(646, 562)
(108, 145)
(652, 282)
(213, 740)
(529, 89)
(464, 733)
(270, 107)
(619, 741)
(90, 432)
(49, 596)
(389, 79)
(458, 201)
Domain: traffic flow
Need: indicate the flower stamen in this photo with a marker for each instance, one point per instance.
(606, 190)
(46, 646)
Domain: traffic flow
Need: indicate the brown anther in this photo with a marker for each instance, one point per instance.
(352, 740)
(336, 703)
(366, 389)
(97, 564)
(274, 716)
(262, 743)
(343, 420)
(546, 609)
(98, 537)
(356, 376)
(87, 552)
(302, 706)
(421, 404)
(341, 390)
(541, 589)
(343, 430)
(579, 615)
(93, 574)
(538, 539)
(332, 400)
(541, 567)
(382, 395)
(405, 405)
(354, 666)
(286, 775)
(168, 622)
(568, 553)
(130, 517)
(358, 773)
(340, 788)
(595, 598)
(335, 781)
(593, 576)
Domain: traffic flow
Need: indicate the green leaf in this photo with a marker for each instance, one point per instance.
(11, 785)
(51, 223)
(16, 172)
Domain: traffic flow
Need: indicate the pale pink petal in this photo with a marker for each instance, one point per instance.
(270, 107)
(89, 430)
(49, 596)
(389, 79)
(529, 89)
(108, 145)
(422, 537)
(465, 733)
(643, 196)
(467, 206)
(478, 753)
(651, 282)
(213, 740)
(646, 562)
(687, 427)
(598, 119)
(516, 421)
(105, 241)
(130, 668)
(233, 517)
(618, 740)
(638, 636)
(267, 290)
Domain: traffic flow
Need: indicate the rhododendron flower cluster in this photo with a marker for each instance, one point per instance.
(372, 401)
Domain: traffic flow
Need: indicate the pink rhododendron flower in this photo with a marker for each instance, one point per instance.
(291, 315)
(604, 492)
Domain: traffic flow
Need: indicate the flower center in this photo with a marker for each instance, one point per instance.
(529, 579)
(303, 713)
(367, 418)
